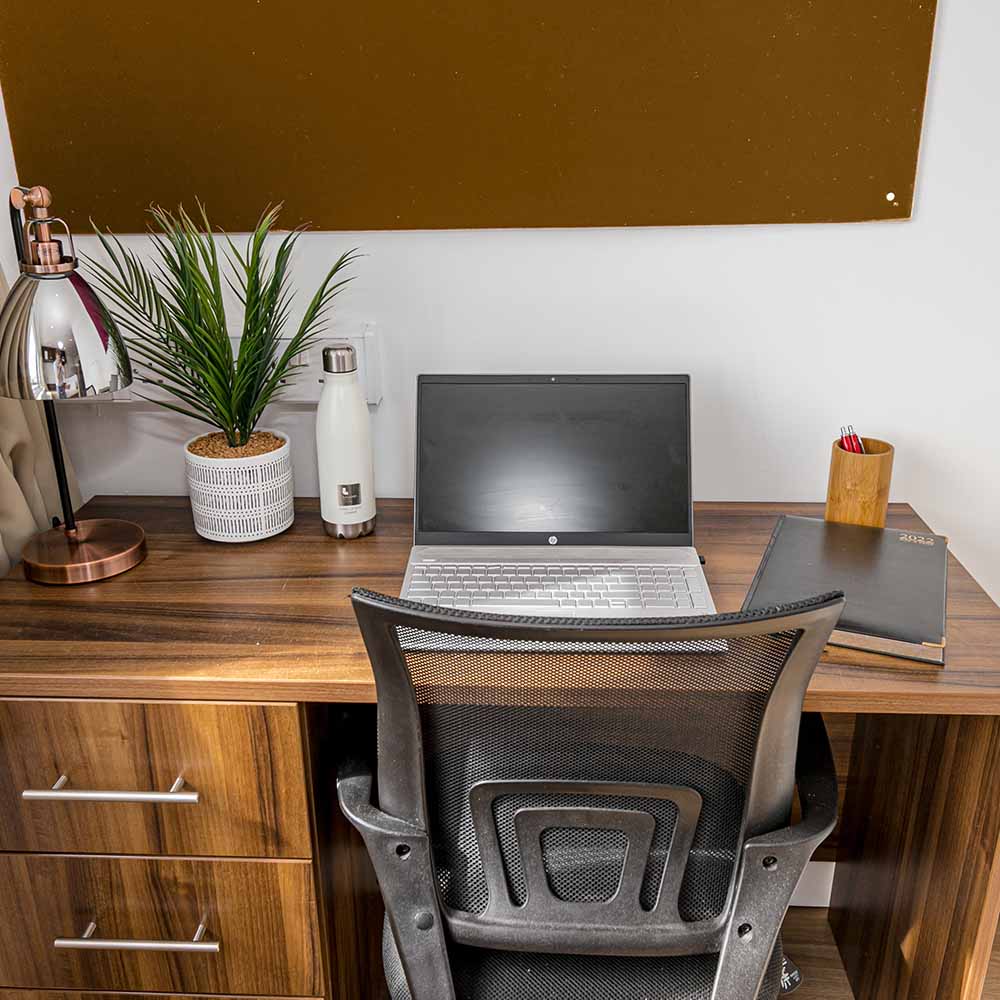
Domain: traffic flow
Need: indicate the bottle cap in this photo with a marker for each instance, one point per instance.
(340, 357)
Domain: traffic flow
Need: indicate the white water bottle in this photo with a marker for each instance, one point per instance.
(344, 448)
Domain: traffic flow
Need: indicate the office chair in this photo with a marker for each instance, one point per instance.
(590, 810)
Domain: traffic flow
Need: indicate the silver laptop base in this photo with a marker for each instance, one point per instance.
(569, 581)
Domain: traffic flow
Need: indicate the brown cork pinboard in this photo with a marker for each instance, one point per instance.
(472, 113)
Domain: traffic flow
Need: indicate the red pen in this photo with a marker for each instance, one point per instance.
(859, 447)
(845, 440)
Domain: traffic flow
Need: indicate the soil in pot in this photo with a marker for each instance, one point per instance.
(215, 445)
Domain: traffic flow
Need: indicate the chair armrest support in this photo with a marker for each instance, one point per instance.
(354, 792)
(771, 867)
(400, 852)
(816, 782)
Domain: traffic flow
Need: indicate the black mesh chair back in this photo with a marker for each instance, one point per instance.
(582, 788)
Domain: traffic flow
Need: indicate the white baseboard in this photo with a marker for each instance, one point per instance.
(815, 885)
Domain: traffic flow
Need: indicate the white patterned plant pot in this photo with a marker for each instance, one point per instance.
(241, 499)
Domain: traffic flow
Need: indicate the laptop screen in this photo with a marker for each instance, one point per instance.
(528, 459)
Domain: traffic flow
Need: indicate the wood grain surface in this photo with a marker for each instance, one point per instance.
(350, 904)
(807, 939)
(991, 988)
(272, 620)
(806, 936)
(916, 893)
(245, 762)
(858, 488)
(262, 912)
(90, 995)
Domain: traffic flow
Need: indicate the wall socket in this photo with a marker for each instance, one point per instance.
(368, 348)
(308, 384)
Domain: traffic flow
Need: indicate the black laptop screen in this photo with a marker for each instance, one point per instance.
(571, 459)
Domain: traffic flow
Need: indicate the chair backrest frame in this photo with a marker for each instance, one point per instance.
(546, 925)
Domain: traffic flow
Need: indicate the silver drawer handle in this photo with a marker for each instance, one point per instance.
(87, 942)
(59, 793)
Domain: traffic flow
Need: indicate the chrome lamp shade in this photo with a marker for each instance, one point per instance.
(58, 343)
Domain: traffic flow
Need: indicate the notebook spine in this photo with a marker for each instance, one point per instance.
(748, 600)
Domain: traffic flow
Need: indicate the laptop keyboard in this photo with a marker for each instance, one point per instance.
(608, 585)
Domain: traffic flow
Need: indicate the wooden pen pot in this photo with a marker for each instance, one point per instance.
(858, 491)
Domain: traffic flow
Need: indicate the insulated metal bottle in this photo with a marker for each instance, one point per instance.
(343, 447)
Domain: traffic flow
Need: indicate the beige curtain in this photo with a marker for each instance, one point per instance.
(29, 497)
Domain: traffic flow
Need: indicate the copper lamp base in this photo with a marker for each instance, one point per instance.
(99, 548)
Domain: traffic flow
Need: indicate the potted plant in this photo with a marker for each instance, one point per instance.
(173, 320)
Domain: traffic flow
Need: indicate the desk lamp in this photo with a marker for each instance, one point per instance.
(58, 343)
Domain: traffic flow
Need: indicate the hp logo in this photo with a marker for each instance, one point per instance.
(553, 540)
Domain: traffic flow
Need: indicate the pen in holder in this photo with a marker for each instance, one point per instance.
(858, 492)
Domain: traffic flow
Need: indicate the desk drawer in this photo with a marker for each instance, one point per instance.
(243, 765)
(259, 915)
(79, 995)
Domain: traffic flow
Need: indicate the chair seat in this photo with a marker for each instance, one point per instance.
(482, 974)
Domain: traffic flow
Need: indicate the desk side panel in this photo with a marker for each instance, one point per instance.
(916, 895)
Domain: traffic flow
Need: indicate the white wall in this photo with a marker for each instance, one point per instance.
(787, 331)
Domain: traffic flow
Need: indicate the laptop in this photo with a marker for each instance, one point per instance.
(566, 495)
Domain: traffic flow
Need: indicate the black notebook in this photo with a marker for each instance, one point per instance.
(894, 581)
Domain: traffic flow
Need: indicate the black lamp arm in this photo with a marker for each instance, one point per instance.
(69, 518)
(16, 222)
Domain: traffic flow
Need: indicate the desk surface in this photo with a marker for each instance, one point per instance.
(272, 621)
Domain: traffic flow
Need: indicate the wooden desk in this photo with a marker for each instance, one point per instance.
(273, 620)
(917, 893)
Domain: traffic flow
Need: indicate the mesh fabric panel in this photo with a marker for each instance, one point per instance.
(583, 865)
(498, 975)
(681, 713)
